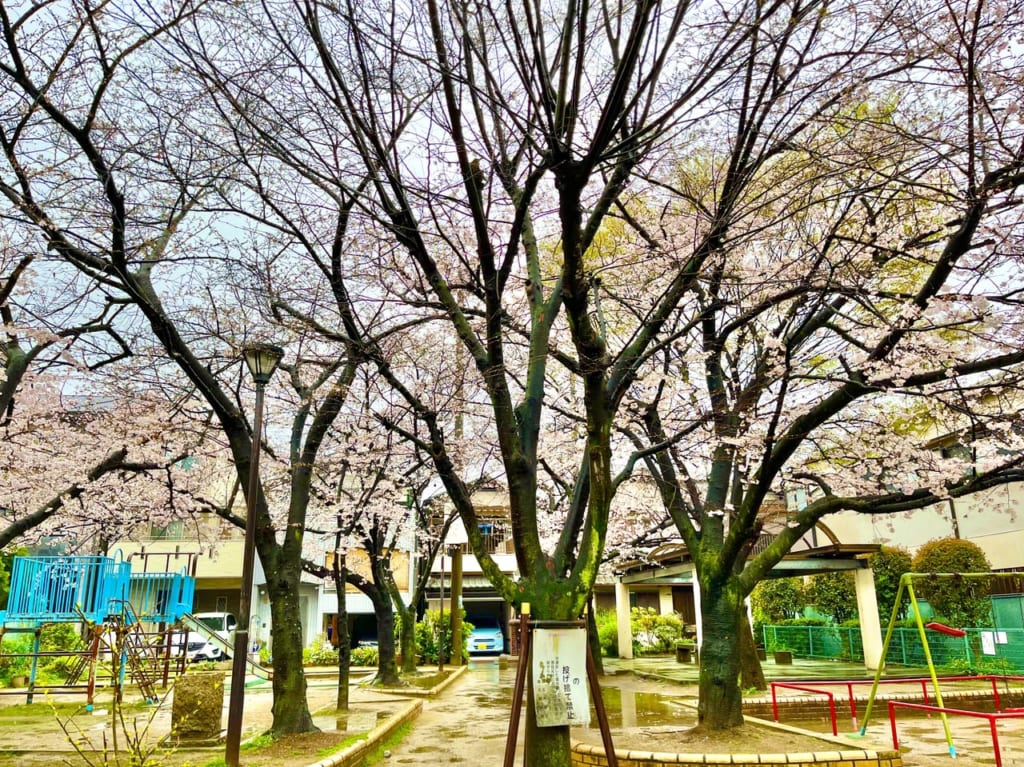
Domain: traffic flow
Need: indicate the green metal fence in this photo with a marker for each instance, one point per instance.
(991, 651)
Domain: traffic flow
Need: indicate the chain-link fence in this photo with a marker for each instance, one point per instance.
(989, 651)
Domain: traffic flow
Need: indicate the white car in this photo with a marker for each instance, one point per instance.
(199, 646)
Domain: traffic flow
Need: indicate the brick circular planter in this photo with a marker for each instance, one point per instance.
(588, 755)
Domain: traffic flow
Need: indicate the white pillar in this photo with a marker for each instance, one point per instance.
(867, 612)
(625, 631)
(665, 606)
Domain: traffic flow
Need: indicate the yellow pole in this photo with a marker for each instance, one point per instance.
(931, 668)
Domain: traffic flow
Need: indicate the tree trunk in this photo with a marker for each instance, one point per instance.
(548, 746)
(543, 746)
(751, 673)
(387, 669)
(291, 711)
(721, 702)
(407, 638)
(344, 639)
(593, 640)
(406, 624)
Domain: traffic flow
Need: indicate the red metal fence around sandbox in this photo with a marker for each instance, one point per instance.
(819, 687)
(1010, 713)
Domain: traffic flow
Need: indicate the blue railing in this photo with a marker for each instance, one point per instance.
(161, 597)
(63, 589)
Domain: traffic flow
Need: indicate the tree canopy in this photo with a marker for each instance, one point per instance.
(728, 248)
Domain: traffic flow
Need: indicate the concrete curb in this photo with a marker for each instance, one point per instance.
(414, 692)
(354, 753)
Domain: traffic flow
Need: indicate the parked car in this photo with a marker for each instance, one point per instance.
(486, 637)
(200, 646)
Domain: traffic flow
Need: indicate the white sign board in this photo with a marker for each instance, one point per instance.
(560, 677)
(988, 642)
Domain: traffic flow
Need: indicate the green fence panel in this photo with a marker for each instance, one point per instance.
(981, 651)
(1008, 612)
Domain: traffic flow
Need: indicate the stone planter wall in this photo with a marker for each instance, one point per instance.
(585, 755)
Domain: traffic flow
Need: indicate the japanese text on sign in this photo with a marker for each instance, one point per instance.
(559, 677)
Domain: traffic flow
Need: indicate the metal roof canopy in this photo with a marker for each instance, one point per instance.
(822, 559)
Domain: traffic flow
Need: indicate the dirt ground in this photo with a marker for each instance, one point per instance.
(468, 724)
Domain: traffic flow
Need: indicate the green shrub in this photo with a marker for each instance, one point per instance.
(803, 622)
(427, 634)
(957, 601)
(654, 632)
(14, 644)
(775, 600)
(320, 655)
(607, 632)
(364, 656)
(888, 566)
(833, 595)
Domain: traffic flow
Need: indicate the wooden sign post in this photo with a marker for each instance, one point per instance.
(527, 626)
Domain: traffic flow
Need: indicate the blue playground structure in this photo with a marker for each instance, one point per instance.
(129, 620)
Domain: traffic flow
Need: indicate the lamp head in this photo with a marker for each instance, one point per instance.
(262, 360)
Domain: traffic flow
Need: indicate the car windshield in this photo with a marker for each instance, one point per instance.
(212, 622)
(489, 624)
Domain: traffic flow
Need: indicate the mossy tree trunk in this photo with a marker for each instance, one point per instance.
(343, 638)
(290, 710)
(406, 632)
(383, 611)
(751, 673)
(720, 704)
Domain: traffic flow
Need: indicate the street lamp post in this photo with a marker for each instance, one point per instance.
(262, 360)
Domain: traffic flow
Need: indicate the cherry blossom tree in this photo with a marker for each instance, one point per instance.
(108, 153)
(362, 494)
(748, 234)
(597, 197)
(92, 469)
(864, 302)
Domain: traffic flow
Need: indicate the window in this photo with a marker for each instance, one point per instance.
(173, 531)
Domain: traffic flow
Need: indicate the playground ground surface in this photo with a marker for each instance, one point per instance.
(468, 722)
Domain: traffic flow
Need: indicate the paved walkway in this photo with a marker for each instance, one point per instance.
(468, 723)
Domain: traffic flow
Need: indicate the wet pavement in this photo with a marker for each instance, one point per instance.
(468, 722)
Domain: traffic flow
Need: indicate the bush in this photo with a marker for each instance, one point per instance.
(958, 601)
(10, 645)
(889, 565)
(364, 656)
(426, 637)
(654, 632)
(320, 654)
(776, 600)
(607, 632)
(833, 595)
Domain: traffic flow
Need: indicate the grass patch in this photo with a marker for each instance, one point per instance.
(254, 744)
(48, 708)
(350, 740)
(376, 754)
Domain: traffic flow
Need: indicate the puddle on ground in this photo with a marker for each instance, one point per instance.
(355, 720)
(631, 708)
